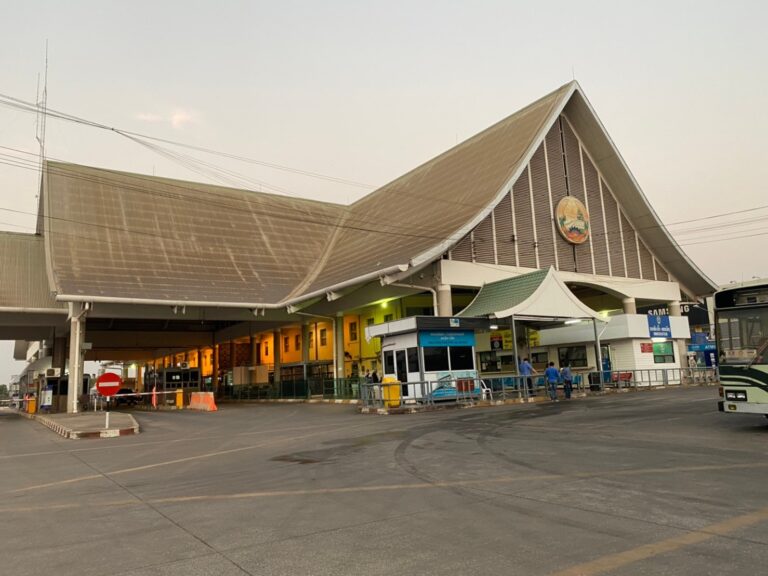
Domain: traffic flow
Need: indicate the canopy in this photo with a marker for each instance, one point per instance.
(540, 294)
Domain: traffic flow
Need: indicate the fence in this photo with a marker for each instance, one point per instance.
(312, 388)
(521, 388)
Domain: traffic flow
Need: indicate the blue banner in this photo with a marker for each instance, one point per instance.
(446, 338)
(658, 326)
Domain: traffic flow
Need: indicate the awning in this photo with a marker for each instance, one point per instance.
(540, 294)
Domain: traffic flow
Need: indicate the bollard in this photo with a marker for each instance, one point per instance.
(179, 398)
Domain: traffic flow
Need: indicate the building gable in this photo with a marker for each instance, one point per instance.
(521, 229)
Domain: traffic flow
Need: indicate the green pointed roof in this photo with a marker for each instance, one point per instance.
(504, 294)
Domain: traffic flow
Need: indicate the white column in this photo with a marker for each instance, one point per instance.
(305, 348)
(276, 351)
(444, 300)
(682, 346)
(630, 306)
(338, 345)
(76, 338)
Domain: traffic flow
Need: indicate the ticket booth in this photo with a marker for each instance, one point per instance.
(430, 356)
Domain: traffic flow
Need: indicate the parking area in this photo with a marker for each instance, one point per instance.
(638, 483)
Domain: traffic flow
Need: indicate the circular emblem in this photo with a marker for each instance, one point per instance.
(572, 220)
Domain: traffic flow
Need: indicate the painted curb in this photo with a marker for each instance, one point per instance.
(69, 433)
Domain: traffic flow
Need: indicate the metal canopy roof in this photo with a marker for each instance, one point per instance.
(540, 294)
(128, 238)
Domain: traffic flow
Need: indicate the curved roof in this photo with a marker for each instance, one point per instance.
(131, 238)
(23, 284)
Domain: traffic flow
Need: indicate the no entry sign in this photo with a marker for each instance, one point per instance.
(108, 384)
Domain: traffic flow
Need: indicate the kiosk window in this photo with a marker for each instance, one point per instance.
(663, 353)
(435, 358)
(389, 362)
(461, 358)
(575, 356)
(413, 359)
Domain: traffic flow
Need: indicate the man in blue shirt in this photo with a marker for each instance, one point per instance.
(526, 370)
(552, 376)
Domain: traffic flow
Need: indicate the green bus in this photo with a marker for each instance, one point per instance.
(741, 326)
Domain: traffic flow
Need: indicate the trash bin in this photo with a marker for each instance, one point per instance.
(390, 391)
(32, 405)
(594, 382)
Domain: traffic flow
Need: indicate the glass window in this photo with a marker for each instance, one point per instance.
(297, 342)
(540, 358)
(413, 359)
(435, 358)
(389, 362)
(311, 340)
(369, 321)
(663, 353)
(388, 317)
(742, 336)
(575, 356)
(461, 358)
(323, 337)
(353, 331)
(286, 344)
(266, 348)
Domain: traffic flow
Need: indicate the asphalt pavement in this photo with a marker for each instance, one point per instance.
(629, 484)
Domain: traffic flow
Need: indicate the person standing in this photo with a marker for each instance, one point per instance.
(526, 371)
(567, 377)
(552, 376)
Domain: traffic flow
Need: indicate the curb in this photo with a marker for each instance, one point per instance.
(68, 433)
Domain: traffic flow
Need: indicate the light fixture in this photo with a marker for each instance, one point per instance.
(573, 321)
(494, 326)
(658, 339)
(384, 304)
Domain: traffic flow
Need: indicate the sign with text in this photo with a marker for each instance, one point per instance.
(446, 338)
(501, 340)
(646, 347)
(108, 384)
(659, 327)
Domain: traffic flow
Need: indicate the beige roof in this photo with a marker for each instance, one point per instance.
(126, 237)
(23, 283)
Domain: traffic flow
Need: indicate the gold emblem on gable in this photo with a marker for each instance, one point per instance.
(572, 220)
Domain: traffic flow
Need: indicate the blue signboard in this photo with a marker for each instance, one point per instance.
(708, 347)
(446, 338)
(658, 326)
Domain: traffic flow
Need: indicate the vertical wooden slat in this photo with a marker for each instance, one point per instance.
(483, 241)
(613, 233)
(543, 213)
(630, 248)
(557, 183)
(521, 196)
(505, 244)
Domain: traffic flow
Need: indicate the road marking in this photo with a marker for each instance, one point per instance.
(620, 559)
(389, 487)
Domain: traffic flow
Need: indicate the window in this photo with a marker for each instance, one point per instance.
(297, 342)
(435, 358)
(388, 317)
(663, 353)
(574, 356)
(323, 337)
(286, 344)
(461, 358)
(353, 331)
(266, 348)
(311, 340)
(413, 359)
(540, 358)
(389, 362)
(369, 321)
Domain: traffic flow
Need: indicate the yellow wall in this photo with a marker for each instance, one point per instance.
(293, 354)
(318, 351)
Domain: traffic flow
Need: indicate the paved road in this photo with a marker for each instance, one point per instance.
(630, 484)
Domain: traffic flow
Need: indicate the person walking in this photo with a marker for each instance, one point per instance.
(552, 376)
(526, 371)
(567, 377)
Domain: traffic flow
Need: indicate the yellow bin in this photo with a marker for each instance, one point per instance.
(390, 392)
(32, 405)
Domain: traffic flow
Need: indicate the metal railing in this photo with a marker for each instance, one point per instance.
(312, 388)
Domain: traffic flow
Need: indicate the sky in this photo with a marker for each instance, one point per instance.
(364, 91)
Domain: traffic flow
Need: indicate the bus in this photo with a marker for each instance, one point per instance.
(741, 327)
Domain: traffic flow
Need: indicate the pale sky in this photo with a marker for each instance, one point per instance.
(365, 91)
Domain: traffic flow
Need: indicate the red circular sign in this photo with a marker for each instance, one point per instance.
(108, 384)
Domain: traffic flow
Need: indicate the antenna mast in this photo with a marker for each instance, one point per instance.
(42, 113)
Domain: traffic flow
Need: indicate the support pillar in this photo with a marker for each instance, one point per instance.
(76, 339)
(338, 345)
(682, 347)
(598, 352)
(276, 351)
(630, 305)
(444, 300)
(215, 368)
(305, 349)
